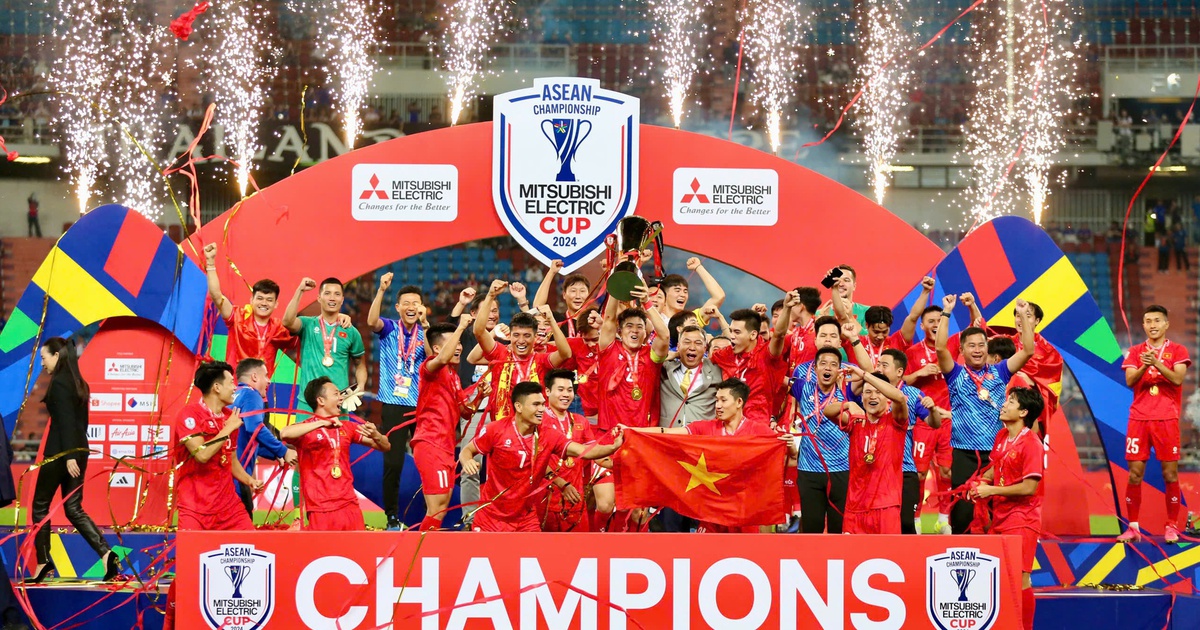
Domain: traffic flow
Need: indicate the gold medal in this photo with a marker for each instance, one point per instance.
(327, 361)
(336, 472)
(1154, 390)
(582, 379)
(636, 394)
(869, 458)
(983, 395)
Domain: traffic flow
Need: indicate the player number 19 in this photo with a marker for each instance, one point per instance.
(920, 449)
(1131, 445)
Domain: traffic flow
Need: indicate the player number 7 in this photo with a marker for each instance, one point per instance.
(1131, 445)
(522, 454)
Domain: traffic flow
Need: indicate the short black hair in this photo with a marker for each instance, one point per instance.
(476, 303)
(410, 289)
(435, 333)
(826, 320)
(266, 286)
(248, 365)
(1037, 310)
(850, 269)
(971, 331)
(898, 357)
(737, 387)
(313, 390)
(673, 280)
(209, 373)
(581, 320)
(574, 279)
(525, 389)
(776, 306)
(676, 323)
(1002, 346)
(878, 315)
(932, 308)
(810, 298)
(716, 339)
(523, 320)
(331, 280)
(749, 317)
(630, 313)
(1156, 308)
(1029, 399)
(827, 350)
(554, 375)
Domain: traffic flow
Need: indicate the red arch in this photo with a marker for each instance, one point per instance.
(302, 226)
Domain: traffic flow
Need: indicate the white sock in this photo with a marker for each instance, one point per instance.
(917, 524)
(943, 519)
(1134, 525)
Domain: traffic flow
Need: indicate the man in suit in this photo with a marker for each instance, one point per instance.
(688, 385)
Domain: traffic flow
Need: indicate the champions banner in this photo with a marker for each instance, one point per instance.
(360, 580)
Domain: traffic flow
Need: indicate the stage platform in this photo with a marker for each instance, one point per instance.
(1165, 599)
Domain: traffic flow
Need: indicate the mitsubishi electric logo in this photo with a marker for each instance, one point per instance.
(695, 194)
(374, 189)
(404, 192)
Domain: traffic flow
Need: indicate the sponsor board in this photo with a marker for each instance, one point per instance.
(543, 580)
(962, 589)
(160, 433)
(122, 450)
(96, 432)
(725, 196)
(118, 369)
(237, 587)
(122, 480)
(122, 433)
(404, 192)
(105, 403)
(141, 403)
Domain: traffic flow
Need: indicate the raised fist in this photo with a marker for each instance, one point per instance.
(498, 287)
(210, 252)
(307, 284)
(693, 263)
(385, 281)
(466, 296)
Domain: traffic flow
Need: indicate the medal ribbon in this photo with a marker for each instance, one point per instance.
(327, 338)
(337, 445)
(871, 352)
(977, 380)
(634, 364)
(406, 353)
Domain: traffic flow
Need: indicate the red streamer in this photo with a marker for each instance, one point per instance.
(182, 25)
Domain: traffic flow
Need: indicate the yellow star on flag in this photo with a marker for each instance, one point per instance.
(701, 476)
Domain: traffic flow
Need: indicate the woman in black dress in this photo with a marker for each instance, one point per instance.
(67, 403)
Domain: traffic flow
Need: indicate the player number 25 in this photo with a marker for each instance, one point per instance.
(1131, 445)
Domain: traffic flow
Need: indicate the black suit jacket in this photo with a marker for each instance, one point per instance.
(68, 418)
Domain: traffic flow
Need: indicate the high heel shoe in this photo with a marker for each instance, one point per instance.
(42, 573)
(112, 566)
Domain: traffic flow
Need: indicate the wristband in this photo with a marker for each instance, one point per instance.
(945, 313)
(856, 342)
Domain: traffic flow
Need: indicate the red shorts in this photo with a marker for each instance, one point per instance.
(436, 469)
(1029, 544)
(713, 528)
(1162, 435)
(791, 494)
(878, 521)
(486, 520)
(349, 519)
(568, 519)
(931, 445)
(603, 476)
(232, 519)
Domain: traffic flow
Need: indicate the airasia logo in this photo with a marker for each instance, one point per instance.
(374, 190)
(695, 195)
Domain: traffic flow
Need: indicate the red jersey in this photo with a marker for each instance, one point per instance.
(876, 483)
(922, 354)
(628, 387)
(1014, 461)
(319, 452)
(576, 429)
(1154, 397)
(584, 361)
(894, 341)
(204, 488)
(762, 371)
(800, 344)
(516, 467)
(248, 339)
(439, 400)
(506, 371)
(716, 427)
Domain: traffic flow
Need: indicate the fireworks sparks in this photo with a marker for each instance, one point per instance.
(1024, 71)
(678, 28)
(77, 77)
(236, 49)
(347, 27)
(884, 97)
(773, 31)
(466, 45)
(137, 81)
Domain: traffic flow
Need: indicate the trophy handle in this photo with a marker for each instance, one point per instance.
(549, 136)
(585, 134)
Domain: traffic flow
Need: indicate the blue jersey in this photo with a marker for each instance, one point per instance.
(250, 403)
(976, 421)
(823, 445)
(401, 353)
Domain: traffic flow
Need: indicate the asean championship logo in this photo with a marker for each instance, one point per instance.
(237, 587)
(962, 589)
(564, 166)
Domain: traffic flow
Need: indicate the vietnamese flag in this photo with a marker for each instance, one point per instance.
(732, 481)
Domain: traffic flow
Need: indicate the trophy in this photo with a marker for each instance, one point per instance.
(566, 134)
(633, 235)
(963, 577)
(237, 574)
